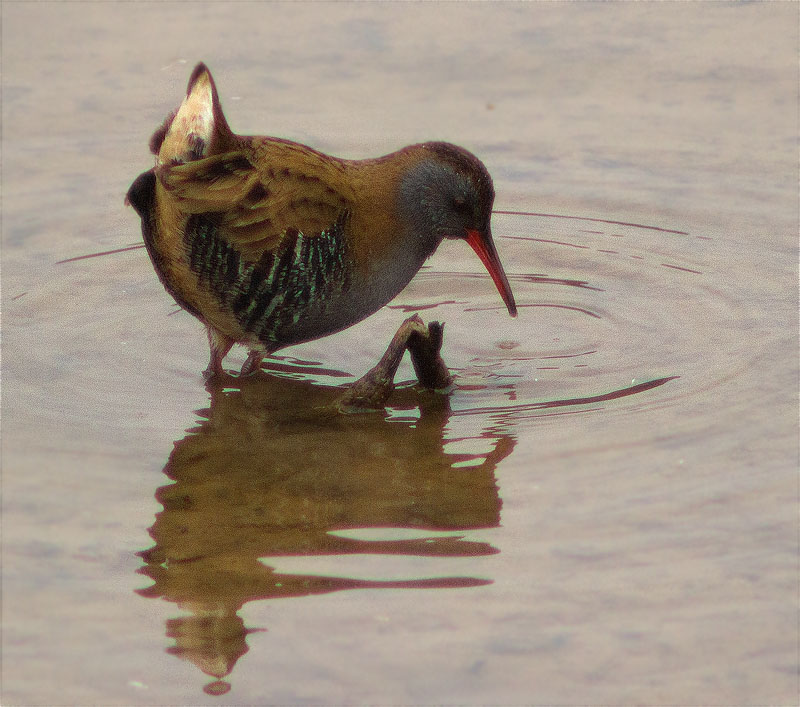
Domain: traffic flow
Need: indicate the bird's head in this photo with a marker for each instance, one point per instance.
(447, 193)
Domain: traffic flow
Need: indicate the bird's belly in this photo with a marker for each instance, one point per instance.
(308, 288)
(345, 306)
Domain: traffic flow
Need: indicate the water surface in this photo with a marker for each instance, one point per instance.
(603, 510)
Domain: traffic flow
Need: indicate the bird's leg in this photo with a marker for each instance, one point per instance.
(253, 363)
(424, 343)
(219, 345)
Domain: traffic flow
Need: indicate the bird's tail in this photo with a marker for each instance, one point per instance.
(198, 128)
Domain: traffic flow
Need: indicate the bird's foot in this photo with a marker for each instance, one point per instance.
(214, 368)
(371, 391)
(210, 373)
(252, 364)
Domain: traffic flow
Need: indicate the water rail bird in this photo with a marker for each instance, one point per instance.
(271, 243)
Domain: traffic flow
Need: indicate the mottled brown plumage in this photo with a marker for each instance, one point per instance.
(271, 243)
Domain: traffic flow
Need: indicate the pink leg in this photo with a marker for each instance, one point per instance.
(220, 345)
(253, 363)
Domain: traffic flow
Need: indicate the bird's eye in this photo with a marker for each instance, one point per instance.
(460, 205)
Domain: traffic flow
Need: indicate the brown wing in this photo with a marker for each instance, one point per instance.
(260, 192)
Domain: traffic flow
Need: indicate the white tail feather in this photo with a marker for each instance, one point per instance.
(192, 131)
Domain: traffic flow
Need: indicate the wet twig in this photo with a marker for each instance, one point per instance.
(424, 343)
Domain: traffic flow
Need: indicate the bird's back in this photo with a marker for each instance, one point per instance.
(267, 241)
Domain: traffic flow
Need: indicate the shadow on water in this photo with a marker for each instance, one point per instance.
(270, 472)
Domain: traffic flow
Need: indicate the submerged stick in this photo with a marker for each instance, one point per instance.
(371, 391)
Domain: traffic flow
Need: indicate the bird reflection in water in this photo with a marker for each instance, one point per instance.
(271, 470)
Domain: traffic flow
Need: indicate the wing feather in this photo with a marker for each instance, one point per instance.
(255, 199)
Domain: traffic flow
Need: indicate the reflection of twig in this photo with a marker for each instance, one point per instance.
(505, 445)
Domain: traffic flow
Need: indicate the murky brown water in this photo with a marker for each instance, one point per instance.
(605, 508)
